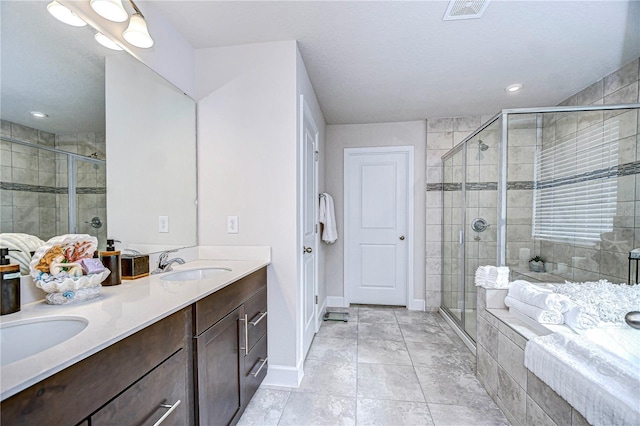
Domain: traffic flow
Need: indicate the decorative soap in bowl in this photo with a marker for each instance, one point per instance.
(63, 269)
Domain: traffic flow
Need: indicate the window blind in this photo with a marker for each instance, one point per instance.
(575, 193)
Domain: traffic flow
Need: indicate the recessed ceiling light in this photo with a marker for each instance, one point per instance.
(38, 114)
(513, 88)
(106, 42)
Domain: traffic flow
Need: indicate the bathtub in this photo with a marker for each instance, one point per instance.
(622, 340)
(596, 371)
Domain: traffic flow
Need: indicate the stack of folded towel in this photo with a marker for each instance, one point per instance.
(492, 276)
(538, 303)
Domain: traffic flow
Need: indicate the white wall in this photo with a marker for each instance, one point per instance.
(248, 167)
(339, 137)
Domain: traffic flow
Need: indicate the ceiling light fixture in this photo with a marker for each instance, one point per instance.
(513, 88)
(64, 14)
(113, 10)
(38, 114)
(137, 32)
(106, 42)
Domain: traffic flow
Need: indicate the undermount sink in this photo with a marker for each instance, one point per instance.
(23, 338)
(195, 274)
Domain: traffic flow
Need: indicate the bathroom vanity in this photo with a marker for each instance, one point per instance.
(194, 352)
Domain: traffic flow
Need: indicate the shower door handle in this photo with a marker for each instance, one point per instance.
(461, 237)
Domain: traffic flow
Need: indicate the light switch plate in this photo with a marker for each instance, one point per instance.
(232, 224)
(163, 224)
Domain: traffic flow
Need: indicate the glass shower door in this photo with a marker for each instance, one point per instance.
(481, 214)
(90, 200)
(452, 249)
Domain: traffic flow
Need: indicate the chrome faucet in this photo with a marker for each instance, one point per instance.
(164, 264)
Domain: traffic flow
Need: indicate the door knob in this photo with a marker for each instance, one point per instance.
(307, 250)
(402, 238)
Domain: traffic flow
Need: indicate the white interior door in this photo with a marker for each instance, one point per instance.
(309, 229)
(377, 231)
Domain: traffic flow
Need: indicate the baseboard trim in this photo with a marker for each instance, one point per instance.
(416, 305)
(336, 302)
(282, 375)
(321, 312)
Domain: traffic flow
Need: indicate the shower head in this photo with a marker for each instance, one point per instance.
(482, 146)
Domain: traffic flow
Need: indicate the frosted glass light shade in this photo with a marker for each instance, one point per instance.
(112, 10)
(137, 33)
(106, 42)
(63, 14)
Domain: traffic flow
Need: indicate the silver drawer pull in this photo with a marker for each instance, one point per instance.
(264, 362)
(171, 410)
(262, 315)
(246, 335)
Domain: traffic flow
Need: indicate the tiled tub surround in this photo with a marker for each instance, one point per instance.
(34, 183)
(522, 396)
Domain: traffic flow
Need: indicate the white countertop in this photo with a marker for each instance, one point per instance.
(119, 312)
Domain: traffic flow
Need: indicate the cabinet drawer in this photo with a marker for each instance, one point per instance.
(256, 311)
(213, 308)
(146, 401)
(256, 364)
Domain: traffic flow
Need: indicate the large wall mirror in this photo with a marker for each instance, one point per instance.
(115, 155)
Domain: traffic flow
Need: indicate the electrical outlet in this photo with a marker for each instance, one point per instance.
(163, 223)
(232, 224)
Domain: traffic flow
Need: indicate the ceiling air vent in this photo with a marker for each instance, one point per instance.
(465, 9)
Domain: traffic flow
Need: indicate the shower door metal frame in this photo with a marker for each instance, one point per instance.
(462, 233)
(502, 184)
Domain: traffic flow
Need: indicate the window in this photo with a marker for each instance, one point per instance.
(575, 193)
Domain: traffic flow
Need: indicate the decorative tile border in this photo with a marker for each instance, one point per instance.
(628, 169)
(7, 186)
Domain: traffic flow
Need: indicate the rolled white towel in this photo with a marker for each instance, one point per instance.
(543, 316)
(543, 298)
(492, 276)
(579, 317)
(481, 276)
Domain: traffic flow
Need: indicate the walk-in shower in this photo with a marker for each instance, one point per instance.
(559, 183)
(48, 191)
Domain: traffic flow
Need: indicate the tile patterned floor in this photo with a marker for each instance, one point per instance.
(385, 367)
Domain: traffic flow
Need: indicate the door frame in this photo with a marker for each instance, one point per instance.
(306, 114)
(408, 149)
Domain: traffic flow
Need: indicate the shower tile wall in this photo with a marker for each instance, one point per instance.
(40, 207)
(521, 149)
(442, 135)
(26, 210)
(608, 259)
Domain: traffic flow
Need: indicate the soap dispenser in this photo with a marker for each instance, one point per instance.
(10, 287)
(111, 260)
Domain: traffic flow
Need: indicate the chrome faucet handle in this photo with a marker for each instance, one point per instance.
(162, 260)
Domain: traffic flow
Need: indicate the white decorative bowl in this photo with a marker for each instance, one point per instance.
(63, 288)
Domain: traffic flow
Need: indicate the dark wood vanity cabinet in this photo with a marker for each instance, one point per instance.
(163, 369)
(230, 349)
(134, 381)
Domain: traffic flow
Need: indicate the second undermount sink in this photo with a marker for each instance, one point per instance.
(195, 274)
(23, 338)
